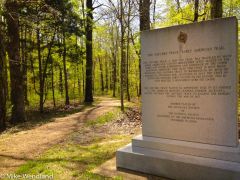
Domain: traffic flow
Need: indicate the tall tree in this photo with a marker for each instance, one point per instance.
(128, 47)
(40, 73)
(114, 52)
(24, 58)
(3, 78)
(89, 57)
(101, 73)
(216, 9)
(16, 75)
(106, 73)
(64, 7)
(52, 82)
(43, 66)
(123, 53)
(196, 6)
(144, 11)
(67, 102)
(154, 13)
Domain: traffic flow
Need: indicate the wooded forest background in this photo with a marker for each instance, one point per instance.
(55, 52)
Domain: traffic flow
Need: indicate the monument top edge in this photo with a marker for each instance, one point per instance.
(232, 18)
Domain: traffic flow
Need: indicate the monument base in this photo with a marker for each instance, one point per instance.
(179, 159)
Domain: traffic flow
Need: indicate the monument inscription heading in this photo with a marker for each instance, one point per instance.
(189, 82)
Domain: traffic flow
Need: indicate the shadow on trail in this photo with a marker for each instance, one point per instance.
(26, 143)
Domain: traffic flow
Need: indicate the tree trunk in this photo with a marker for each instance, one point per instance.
(60, 80)
(114, 63)
(128, 51)
(16, 76)
(127, 74)
(40, 73)
(7, 93)
(178, 5)
(154, 14)
(101, 74)
(205, 9)
(82, 44)
(24, 56)
(144, 11)
(123, 55)
(114, 74)
(2, 82)
(74, 83)
(65, 70)
(93, 78)
(106, 74)
(83, 78)
(216, 9)
(196, 5)
(138, 54)
(53, 87)
(144, 8)
(89, 59)
(230, 12)
(79, 82)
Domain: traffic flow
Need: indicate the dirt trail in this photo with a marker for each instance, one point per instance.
(17, 148)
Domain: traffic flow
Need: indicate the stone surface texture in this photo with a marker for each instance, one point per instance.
(189, 103)
(190, 89)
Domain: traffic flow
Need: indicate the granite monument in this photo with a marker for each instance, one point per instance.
(189, 103)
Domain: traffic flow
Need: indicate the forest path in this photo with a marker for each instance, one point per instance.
(20, 147)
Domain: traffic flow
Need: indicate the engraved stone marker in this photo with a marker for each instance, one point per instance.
(189, 103)
(189, 82)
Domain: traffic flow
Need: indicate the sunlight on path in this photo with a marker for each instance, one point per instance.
(17, 148)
